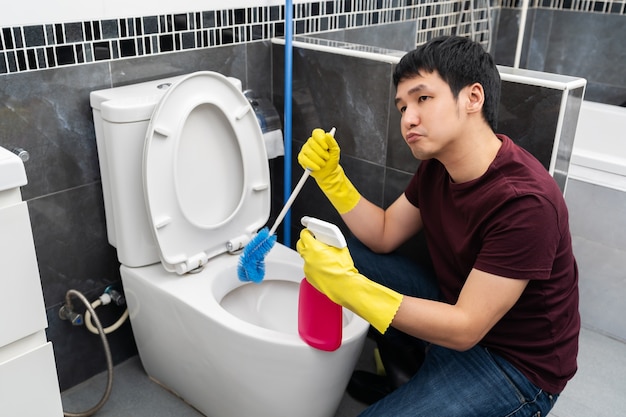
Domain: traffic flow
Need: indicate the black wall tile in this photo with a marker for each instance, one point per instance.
(110, 29)
(34, 36)
(7, 36)
(74, 32)
(65, 55)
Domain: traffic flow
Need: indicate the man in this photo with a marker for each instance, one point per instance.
(499, 317)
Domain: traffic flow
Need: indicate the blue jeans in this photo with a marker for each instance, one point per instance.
(473, 383)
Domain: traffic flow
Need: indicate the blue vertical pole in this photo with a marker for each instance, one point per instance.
(287, 115)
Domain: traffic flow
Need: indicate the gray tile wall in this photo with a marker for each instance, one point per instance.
(530, 115)
(577, 43)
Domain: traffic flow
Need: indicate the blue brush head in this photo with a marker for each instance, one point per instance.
(252, 261)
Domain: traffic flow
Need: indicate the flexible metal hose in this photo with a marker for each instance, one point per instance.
(108, 330)
(107, 352)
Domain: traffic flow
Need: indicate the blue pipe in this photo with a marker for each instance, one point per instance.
(287, 116)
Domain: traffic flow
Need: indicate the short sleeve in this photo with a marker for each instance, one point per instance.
(521, 239)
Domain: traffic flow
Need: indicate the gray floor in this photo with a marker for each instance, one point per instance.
(597, 390)
(598, 223)
(135, 395)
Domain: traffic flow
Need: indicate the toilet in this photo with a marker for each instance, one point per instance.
(185, 180)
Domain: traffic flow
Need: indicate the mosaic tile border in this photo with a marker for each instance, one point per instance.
(53, 45)
(38, 47)
(591, 6)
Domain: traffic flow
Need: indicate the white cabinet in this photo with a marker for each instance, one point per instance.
(22, 307)
(28, 377)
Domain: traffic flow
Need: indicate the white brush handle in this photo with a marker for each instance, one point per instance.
(289, 202)
(294, 194)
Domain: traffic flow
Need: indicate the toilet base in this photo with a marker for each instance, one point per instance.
(225, 366)
(166, 388)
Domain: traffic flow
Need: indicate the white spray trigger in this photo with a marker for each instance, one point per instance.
(325, 232)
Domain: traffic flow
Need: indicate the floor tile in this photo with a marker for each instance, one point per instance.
(598, 387)
(133, 395)
(596, 390)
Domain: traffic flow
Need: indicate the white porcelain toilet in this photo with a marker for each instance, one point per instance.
(186, 185)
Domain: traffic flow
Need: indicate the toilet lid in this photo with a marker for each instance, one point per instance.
(205, 171)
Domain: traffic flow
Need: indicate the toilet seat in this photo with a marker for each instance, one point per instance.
(205, 173)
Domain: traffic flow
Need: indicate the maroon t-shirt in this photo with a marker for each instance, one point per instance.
(512, 222)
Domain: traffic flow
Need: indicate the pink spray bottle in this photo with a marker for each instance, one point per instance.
(320, 319)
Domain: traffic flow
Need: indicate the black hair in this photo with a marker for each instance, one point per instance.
(460, 62)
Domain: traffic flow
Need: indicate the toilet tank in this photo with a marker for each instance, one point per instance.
(121, 119)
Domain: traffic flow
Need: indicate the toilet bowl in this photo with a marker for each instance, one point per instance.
(186, 185)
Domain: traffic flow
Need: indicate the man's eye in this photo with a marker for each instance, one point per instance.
(402, 109)
(423, 98)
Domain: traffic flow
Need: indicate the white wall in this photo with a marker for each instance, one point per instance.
(27, 12)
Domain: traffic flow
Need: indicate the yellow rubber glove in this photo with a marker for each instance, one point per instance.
(320, 154)
(332, 271)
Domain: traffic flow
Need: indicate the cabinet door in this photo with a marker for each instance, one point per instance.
(22, 307)
(29, 385)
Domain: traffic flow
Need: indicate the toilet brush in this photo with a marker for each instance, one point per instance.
(251, 265)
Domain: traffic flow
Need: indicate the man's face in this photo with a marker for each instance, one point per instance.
(431, 118)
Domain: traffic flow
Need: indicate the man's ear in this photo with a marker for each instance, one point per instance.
(476, 98)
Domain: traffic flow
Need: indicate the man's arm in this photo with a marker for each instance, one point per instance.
(383, 230)
(484, 300)
(380, 230)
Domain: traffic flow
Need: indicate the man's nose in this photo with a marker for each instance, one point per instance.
(410, 118)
